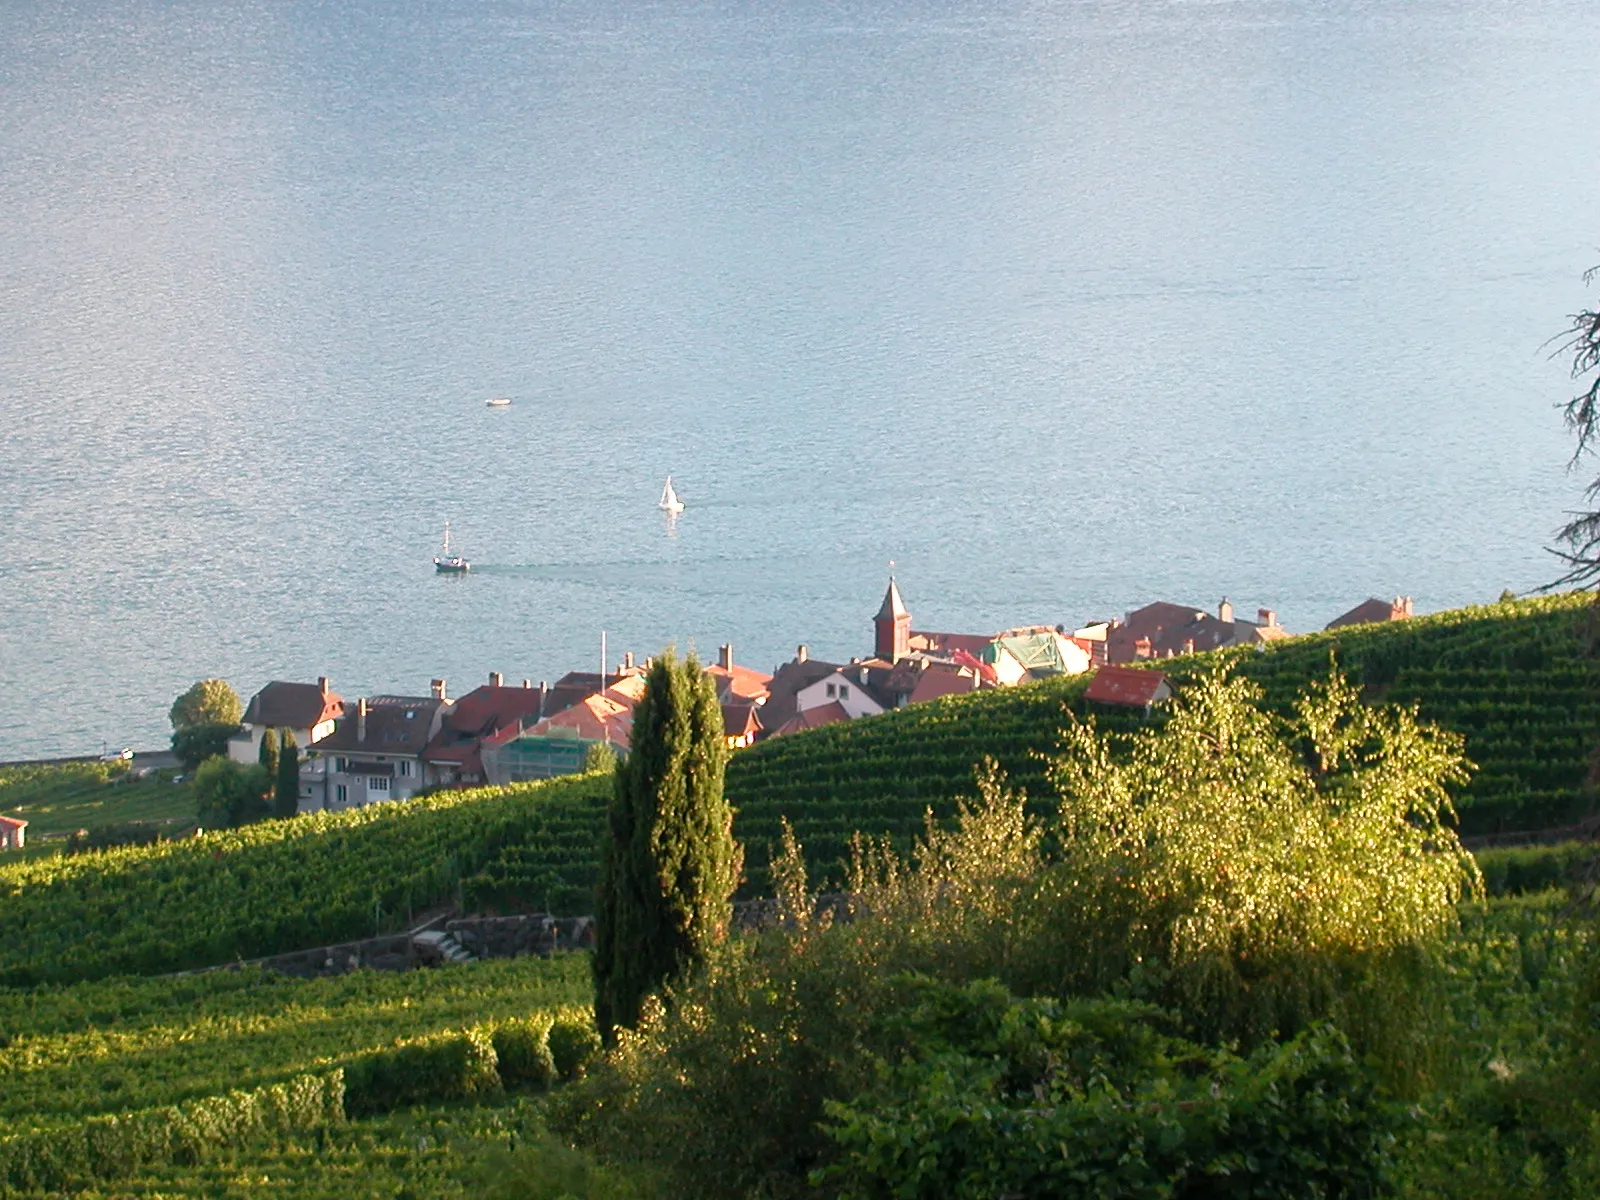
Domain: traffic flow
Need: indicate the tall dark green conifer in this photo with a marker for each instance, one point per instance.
(286, 796)
(268, 754)
(671, 864)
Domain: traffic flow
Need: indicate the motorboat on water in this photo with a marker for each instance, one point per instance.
(447, 563)
(498, 402)
(669, 499)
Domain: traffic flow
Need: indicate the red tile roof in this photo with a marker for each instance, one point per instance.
(949, 643)
(745, 683)
(603, 717)
(1373, 610)
(740, 720)
(488, 709)
(939, 680)
(1132, 686)
(13, 822)
(293, 706)
(813, 718)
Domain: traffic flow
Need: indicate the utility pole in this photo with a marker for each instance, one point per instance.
(602, 660)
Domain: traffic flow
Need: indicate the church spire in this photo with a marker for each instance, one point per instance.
(892, 625)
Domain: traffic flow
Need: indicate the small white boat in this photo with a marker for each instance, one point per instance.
(669, 499)
(498, 402)
(447, 563)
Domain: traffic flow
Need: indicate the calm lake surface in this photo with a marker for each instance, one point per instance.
(1062, 306)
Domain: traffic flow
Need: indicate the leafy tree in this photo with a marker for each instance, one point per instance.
(228, 793)
(1581, 534)
(196, 743)
(1230, 862)
(286, 799)
(267, 756)
(671, 863)
(208, 702)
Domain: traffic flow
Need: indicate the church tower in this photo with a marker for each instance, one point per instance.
(893, 624)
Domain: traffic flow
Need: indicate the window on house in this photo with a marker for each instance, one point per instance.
(405, 767)
(338, 765)
(341, 794)
(378, 783)
(830, 691)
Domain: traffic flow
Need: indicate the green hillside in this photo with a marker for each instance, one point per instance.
(272, 887)
(1510, 677)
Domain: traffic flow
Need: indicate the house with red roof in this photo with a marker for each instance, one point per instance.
(307, 710)
(736, 684)
(12, 833)
(559, 744)
(1164, 630)
(1373, 610)
(741, 723)
(1129, 687)
(454, 757)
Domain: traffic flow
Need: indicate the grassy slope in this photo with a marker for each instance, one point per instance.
(121, 1044)
(62, 797)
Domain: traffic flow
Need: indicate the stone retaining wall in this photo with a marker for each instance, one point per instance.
(511, 937)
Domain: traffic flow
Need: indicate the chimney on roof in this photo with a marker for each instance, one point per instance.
(527, 685)
(627, 660)
(725, 656)
(1402, 605)
(361, 719)
(1225, 612)
(496, 679)
(322, 683)
(438, 689)
(802, 653)
(1267, 617)
(1141, 648)
(544, 695)
(1188, 645)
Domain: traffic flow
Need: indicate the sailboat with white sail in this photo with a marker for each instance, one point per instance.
(447, 563)
(669, 499)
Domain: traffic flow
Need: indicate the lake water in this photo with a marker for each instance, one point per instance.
(1062, 306)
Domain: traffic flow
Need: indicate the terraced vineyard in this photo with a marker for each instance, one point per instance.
(115, 1045)
(264, 889)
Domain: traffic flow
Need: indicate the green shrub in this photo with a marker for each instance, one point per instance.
(574, 1045)
(1093, 1099)
(523, 1050)
(451, 1066)
(1233, 864)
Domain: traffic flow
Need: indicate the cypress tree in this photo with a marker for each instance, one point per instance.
(268, 755)
(287, 796)
(671, 864)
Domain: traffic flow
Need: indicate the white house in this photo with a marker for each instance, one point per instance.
(375, 753)
(307, 710)
(846, 686)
